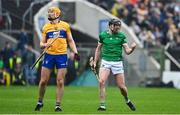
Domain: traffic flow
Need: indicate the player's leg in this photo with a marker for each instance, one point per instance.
(118, 72)
(61, 65)
(121, 85)
(45, 73)
(47, 66)
(103, 73)
(60, 88)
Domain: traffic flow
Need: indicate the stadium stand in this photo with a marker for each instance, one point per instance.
(158, 19)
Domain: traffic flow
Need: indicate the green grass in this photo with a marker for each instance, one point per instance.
(84, 100)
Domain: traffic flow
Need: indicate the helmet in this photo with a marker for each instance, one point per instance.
(55, 11)
(115, 22)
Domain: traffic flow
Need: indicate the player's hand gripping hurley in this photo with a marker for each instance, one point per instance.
(91, 62)
(42, 54)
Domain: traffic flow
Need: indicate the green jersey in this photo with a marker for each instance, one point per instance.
(112, 45)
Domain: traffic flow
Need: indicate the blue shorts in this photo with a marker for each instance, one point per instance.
(60, 61)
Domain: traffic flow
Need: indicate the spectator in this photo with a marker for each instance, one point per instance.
(119, 9)
(18, 78)
(7, 53)
(28, 59)
(4, 75)
(146, 38)
(2, 80)
(22, 41)
(172, 32)
(178, 41)
(135, 27)
(158, 36)
(13, 63)
(142, 12)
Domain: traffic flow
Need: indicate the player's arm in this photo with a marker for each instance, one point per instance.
(128, 50)
(71, 43)
(97, 53)
(98, 49)
(43, 42)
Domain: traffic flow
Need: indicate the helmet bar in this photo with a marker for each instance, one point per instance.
(115, 22)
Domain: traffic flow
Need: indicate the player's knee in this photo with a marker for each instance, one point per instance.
(101, 83)
(60, 82)
(43, 82)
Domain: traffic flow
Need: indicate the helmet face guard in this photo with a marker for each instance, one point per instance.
(114, 25)
(115, 22)
(53, 13)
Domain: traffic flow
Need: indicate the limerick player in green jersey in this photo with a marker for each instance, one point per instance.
(110, 46)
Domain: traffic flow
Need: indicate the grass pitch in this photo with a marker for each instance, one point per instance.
(84, 100)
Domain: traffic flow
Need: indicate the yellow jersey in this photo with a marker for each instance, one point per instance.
(57, 31)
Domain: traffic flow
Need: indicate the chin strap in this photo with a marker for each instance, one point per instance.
(51, 19)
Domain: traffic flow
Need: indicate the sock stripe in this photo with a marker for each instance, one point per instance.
(40, 103)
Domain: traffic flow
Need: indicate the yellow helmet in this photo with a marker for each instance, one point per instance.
(54, 13)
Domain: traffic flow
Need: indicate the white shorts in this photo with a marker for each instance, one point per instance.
(115, 67)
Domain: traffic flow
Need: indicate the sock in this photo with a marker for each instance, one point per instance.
(126, 99)
(58, 103)
(40, 102)
(102, 104)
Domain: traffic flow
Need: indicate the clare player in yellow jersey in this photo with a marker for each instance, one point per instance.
(56, 55)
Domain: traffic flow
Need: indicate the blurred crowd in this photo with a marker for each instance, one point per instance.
(155, 22)
(15, 62)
